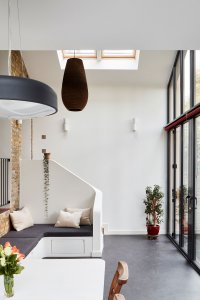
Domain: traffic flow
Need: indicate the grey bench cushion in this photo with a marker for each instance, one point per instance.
(24, 245)
(41, 230)
(28, 238)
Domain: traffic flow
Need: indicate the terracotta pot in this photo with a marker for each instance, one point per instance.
(47, 155)
(153, 230)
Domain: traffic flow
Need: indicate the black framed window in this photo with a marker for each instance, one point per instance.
(183, 146)
(197, 77)
(186, 80)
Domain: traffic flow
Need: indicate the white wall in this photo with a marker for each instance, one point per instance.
(66, 190)
(5, 130)
(101, 148)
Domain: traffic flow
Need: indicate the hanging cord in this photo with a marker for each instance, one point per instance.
(19, 27)
(20, 39)
(74, 53)
(9, 38)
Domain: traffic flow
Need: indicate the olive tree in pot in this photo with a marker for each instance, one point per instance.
(153, 210)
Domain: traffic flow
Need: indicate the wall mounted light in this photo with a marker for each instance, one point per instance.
(66, 125)
(134, 127)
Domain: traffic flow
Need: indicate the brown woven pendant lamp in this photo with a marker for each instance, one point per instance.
(74, 86)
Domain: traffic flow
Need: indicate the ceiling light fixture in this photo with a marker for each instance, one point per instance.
(24, 98)
(74, 86)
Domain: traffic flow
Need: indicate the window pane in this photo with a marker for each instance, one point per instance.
(185, 182)
(197, 188)
(79, 53)
(118, 53)
(186, 100)
(178, 182)
(178, 87)
(197, 77)
(171, 101)
(171, 185)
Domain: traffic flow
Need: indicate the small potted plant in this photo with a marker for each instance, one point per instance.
(153, 210)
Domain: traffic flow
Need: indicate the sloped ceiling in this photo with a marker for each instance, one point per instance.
(154, 70)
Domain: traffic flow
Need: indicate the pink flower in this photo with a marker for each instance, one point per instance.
(20, 256)
(15, 250)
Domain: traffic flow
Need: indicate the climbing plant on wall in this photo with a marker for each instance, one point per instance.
(46, 185)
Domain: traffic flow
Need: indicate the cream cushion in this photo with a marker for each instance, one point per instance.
(67, 219)
(85, 214)
(21, 219)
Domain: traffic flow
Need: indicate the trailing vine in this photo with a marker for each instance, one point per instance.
(46, 185)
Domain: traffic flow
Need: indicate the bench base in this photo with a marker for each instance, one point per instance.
(63, 247)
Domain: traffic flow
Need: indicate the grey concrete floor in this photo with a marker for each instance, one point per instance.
(156, 269)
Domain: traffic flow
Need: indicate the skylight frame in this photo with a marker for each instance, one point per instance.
(77, 54)
(104, 64)
(118, 56)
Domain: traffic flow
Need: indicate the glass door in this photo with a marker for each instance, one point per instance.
(185, 195)
(178, 185)
(197, 189)
(171, 186)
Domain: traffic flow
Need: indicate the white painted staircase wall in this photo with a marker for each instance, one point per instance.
(65, 190)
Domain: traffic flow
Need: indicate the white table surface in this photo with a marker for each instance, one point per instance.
(59, 279)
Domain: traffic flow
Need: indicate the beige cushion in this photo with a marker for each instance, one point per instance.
(21, 219)
(85, 214)
(67, 219)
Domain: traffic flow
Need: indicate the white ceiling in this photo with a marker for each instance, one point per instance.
(105, 24)
(154, 70)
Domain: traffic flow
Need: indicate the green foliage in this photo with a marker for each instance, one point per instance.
(153, 205)
(46, 185)
(10, 258)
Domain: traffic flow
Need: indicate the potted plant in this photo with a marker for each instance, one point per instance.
(153, 210)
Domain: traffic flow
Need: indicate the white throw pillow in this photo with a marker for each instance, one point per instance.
(66, 219)
(21, 219)
(85, 214)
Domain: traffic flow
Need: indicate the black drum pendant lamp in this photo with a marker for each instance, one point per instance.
(24, 98)
(21, 97)
(74, 85)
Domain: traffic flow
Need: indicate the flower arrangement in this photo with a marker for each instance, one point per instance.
(10, 258)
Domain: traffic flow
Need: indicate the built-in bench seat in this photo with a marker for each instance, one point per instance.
(28, 238)
(42, 230)
(25, 245)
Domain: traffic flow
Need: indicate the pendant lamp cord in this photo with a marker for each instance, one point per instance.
(9, 38)
(20, 39)
(10, 35)
(19, 26)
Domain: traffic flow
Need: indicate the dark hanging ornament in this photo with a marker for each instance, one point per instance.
(74, 85)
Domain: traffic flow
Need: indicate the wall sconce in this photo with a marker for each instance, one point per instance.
(66, 125)
(134, 127)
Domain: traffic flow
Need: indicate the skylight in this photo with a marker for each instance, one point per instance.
(102, 59)
(118, 54)
(80, 53)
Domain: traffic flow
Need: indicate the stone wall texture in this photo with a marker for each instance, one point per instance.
(16, 68)
(4, 222)
(16, 145)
